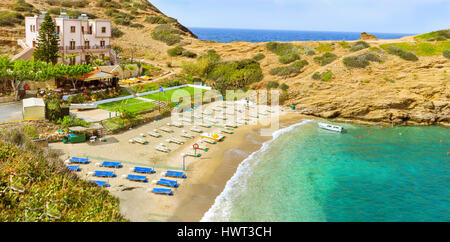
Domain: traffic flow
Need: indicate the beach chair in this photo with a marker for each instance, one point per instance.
(208, 141)
(136, 178)
(102, 174)
(142, 134)
(226, 131)
(201, 147)
(163, 191)
(184, 134)
(167, 130)
(175, 125)
(187, 120)
(143, 170)
(205, 125)
(168, 183)
(161, 147)
(140, 141)
(74, 168)
(175, 140)
(194, 129)
(110, 164)
(231, 126)
(221, 117)
(177, 174)
(77, 160)
(192, 153)
(100, 183)
(154, 133)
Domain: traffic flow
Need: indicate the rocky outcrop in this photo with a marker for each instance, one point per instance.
(366, 36)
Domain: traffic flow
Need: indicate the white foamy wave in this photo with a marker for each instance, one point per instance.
(220, 211)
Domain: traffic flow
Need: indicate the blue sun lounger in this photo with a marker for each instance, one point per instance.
(177, 174)
(100, 183)
(104, 174)
(111, 164)
(144, 170)
(79, 160)
(137, 178)
(74, 168)
(163, 191)
(168, 183)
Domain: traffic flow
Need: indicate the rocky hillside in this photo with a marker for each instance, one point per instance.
(134, 22)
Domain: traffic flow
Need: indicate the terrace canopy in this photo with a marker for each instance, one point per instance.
(93, 80)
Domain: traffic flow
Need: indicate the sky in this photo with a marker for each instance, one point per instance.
(377, 16)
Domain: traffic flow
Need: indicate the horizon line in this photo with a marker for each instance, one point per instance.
(293, 30)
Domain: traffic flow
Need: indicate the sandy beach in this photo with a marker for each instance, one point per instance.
(206, 175)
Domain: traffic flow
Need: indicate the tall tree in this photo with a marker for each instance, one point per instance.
(47, 41)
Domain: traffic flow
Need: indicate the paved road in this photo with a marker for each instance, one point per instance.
(10, 112)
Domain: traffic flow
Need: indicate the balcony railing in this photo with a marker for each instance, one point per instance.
(92, 47)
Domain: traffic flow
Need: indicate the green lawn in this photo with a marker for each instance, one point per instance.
(132, 104)
(174, 94)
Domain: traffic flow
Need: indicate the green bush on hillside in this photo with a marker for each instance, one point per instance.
(323, 47)
(10, 18)
(22, 6)
(224, 74)
(344, 44)
(166, 34)
(116, 32)
(292, 69)
(360, 45)
(284, 87)
(287, 52)
(180, 51)
(446, 54)
(156, 20)
(406, 55)
(259, 56)
(37, 187)
(272, 84)
(362, 60)
(440, 35)
(324, 76)
(325, 59)
(136, 25)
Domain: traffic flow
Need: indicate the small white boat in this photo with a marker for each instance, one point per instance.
(331, 127)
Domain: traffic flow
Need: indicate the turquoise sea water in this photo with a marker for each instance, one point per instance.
(309, 174)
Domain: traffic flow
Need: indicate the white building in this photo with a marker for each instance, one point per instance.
(79, 37)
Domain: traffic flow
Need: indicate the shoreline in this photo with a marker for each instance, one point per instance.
(206, 175)
(203, 195)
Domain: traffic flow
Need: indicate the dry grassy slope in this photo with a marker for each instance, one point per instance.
(138, 38)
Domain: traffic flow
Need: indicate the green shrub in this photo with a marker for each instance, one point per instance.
(287, 52)
(259, 57)
(111, 12)
(116, 32)
(360, 45)
(22, 6)
(156, 20)
(440, 35)
(166, 34)
(272, 84)
(294, 68)
(324, 48)
(406, 55)
(284, 87)
(10, 18)
(446, 54)
(324, 76)
(344, 44)
(362, 60)
(180, 51)
(137, 25)
(325, 59)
